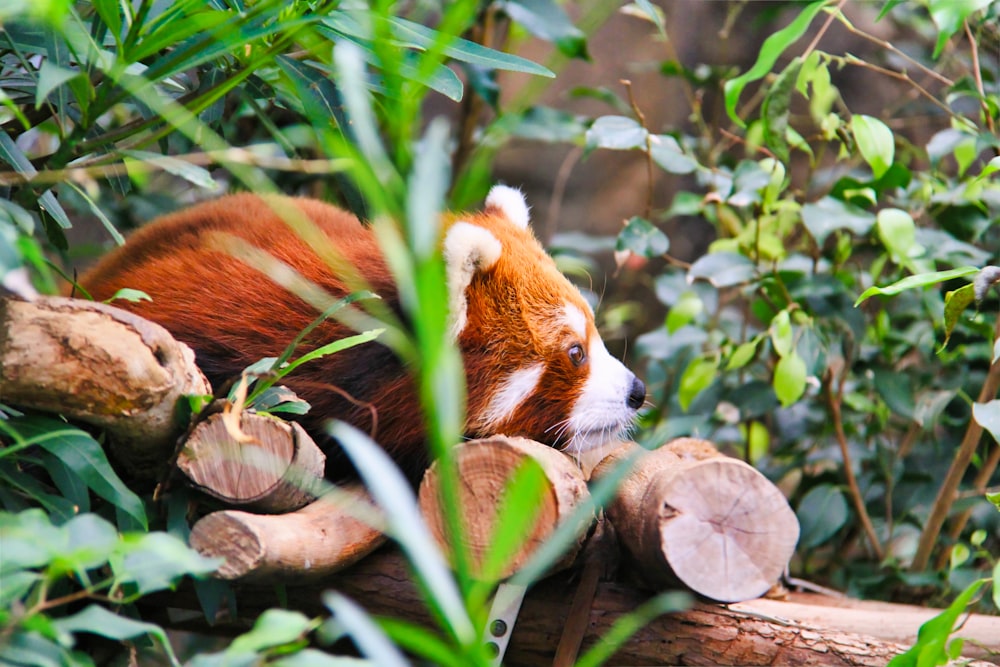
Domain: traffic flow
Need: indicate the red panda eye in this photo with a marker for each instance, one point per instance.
(576, 354)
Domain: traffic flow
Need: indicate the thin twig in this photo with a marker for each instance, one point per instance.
(978, 76)
(85, 171)
(822, 31)
(947, 493)
(559, 191)
(889, 47)
(979, 487)
(899, 76)
(641, 117)
(834, 402)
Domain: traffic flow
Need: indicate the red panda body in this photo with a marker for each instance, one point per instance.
(535, 364)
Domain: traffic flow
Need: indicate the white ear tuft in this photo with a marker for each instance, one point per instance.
(511, 203)
(467, 248)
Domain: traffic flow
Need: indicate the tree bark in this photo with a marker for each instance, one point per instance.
(687, 514)
(277, 467)
(485, 468)
(103, 366)
(323, 537)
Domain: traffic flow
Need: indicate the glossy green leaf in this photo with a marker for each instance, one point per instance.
(97, 620)
(829, 214)
(84, 455)
(898, 233)
(723, 269)
(772, 49)
(273, 628)
(371, 641)
(955, 303)
(781, 333)
(790, 379)
(643, 238)
(50, 77)
(697, 377)
(616, 133)
(987, 415)
(775, 108)
(742, 355)
(548, 21)
(919, 280)
(394, 495)
(931, 647)
(627, 625)
(669, 156)
(822, 512)
(684, 311)
(156, 561)
(875, 142)
(959, 555)
(191, 173)
(949, 15)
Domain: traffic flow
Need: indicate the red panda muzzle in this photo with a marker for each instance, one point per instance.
(535, 364)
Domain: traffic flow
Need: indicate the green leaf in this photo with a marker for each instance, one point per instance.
(955, 303)
(394, 495)
(875, 141)
(643, 238)
(15, 157)
(772, 49)
(616, 133)
(684, 311)
(647, 10)
(697, 377)
(790, 378)
(130, 295)
(822, 512)
(548, 21)
(84, 456)
(781, 333)
(371, 641)
(515, 518)
(191, 173)
(959, 554)
(723, 269)
(50, 77)
(920, 280)
(669, 156)
(97, 620)
(830, 214)
(996, 581)
(155, 561)
(775, 108)
(949, 15)
(898, 233)
(743, 354)
(932, 637)
(627, 625)
(987, 415)
(273, 628)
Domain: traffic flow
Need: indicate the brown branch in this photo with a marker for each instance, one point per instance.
(641, 117)
(822, 31)
(977, 74)
(834, 402)
(979, 487)
(947, 493)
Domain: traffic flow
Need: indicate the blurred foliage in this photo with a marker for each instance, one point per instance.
(840, 332)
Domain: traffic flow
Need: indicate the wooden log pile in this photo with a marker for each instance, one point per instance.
(683, 515)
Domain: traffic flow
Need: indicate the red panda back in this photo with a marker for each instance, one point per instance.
(233, 315)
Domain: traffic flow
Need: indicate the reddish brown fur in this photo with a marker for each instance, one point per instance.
(232, 316)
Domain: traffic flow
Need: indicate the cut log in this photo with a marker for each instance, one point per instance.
(707, 634)
(101, 365)
(321, 538)
(485, 467)
(687, 513)
(279, 469)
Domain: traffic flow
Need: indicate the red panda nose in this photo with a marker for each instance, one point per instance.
(637, 395)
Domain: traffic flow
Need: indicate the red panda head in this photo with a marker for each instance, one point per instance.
(535, 364)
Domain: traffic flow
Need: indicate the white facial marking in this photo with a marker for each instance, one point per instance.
(575, 320)
(601, 412)
(511, 393)
(467, 248)
(511, 203)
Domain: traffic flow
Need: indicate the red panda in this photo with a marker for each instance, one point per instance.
(535, 364)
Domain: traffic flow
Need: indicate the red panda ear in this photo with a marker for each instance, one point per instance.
(467, 248)
(510, 203)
